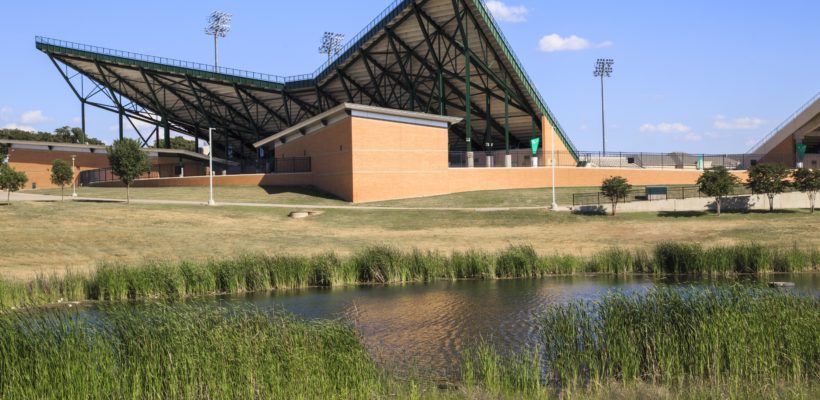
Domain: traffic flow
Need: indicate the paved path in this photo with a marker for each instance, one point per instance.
(39, 197)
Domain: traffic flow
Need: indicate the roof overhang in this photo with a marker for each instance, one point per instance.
(413, 56)
(346, 110)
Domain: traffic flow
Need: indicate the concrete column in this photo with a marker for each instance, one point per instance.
(489, 160)
(508, 161)
(535, 162)
(470, 160)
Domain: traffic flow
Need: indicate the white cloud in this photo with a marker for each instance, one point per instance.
(76, 120)
(20, 127)
(736, 124)
(503, 12)
(666, 127)
(5, 114)
(33, 117)
(555, 42)
(692, 137)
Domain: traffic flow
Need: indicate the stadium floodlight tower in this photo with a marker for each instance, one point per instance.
(331, 44)
(219, 24)
(603, 69)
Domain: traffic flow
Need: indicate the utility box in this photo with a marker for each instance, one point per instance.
(654, 193)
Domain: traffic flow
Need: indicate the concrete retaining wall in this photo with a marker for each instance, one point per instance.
(734, 203)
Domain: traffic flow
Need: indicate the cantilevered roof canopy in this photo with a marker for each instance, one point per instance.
(443, 57)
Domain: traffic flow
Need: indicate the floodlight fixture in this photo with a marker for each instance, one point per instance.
(219, 24)
(603, 69)
(331, 44)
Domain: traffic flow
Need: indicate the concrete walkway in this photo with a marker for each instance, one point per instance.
(18, 197)
(735, 203)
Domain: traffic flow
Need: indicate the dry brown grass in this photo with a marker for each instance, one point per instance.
(51, 237)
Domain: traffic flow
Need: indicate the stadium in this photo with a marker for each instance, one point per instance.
(428, 99)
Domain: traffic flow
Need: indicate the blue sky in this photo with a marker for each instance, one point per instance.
(699, 76)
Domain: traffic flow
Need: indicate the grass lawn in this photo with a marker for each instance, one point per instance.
(541, 197)
(51, 237)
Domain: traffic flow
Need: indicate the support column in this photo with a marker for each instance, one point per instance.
(121, 127)
(82, 118)
(488, 132)
(166, 126)
(507, 155)
(468, 104)
(440, 93)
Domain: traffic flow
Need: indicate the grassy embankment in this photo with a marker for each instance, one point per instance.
(308, 196)
(386, 265)
(718, 343)
(52, 237)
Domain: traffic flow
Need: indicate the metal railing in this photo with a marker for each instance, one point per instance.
(649, 193)
(593, 159)
(386, 15)
(162, 60)
(785, 122)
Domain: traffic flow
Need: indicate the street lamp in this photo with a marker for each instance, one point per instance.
(603, 69)
(211, 201)
(331, 44)
(219, 24)
(73, 179)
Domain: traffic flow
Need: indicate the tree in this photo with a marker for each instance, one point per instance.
(179, 143)
(128, 162)
(615, 188)
(768, 179)
(807, 181)
(61, 175)
(717, 182)
(11, 180)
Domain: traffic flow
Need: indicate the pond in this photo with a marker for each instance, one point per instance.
(426, 326)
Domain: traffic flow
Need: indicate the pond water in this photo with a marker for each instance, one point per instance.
(426, 326)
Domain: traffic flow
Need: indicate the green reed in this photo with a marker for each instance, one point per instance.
(389, 265)
(733, 339)
(158, 351)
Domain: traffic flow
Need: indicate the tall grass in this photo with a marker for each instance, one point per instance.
(161, 351)
(721, 337)
(388, 265)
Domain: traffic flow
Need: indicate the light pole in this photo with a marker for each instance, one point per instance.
(554, 205)
(331, 44)
(73, 178)
(603, 69)
(219, 23)
(211, 201)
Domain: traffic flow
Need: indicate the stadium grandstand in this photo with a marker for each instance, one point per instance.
(401, 111)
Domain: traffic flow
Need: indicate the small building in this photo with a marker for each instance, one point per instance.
(91, 162)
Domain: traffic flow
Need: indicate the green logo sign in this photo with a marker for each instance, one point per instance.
(801, 152)
(535, 143)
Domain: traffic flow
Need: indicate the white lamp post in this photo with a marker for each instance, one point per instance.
(211, 201)
(73, 178)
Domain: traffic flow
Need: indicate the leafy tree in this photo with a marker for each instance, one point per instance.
(717, 182)
(615, 188)
(179, 143)
(768, 179)
(128, 162)
(61, 135)
(11, 180)
(61, 175)
(807, 181)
